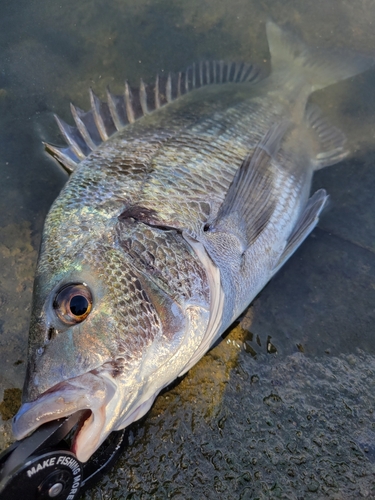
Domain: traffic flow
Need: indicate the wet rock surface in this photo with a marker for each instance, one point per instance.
(284, 428)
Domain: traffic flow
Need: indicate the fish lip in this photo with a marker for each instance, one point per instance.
(92, 392)
(81, 422)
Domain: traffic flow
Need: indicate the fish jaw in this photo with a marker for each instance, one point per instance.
(91, 391)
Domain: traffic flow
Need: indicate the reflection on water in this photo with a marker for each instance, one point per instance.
(283, 407)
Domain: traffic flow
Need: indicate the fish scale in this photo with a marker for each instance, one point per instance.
(208, 172)
(184, 199)
(160, 250)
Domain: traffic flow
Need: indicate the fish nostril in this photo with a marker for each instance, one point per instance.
(50, 333)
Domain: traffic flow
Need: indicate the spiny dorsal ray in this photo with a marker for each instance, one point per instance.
(105, 118)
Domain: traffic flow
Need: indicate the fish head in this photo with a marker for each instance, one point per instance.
(64, 313)
(106, 333)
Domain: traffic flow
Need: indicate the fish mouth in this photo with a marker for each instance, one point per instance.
(92, 391)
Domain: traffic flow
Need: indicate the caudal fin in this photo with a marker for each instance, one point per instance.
(319, 68)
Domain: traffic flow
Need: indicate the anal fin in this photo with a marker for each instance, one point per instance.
(305, 224)
(331, 140)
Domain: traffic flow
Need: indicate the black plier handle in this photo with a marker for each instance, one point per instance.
(41, 467)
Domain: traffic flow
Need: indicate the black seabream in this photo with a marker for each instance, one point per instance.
(184, 199)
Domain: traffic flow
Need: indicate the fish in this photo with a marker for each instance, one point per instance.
(184, 199)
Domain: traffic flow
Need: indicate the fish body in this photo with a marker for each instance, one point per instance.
(168, 227)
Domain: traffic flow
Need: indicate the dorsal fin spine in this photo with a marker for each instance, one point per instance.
(157, 95)
(143, 97)
(236, 71)
(208, 76)
(168, 88)
(63, 156)
(244, 69)
(214, 64)
(221, 66)
(229, 69)
(95, 106)
(201, 74)
(128, 104)
(113, 110)
(81, 127)
(179, 85)
(187, 80)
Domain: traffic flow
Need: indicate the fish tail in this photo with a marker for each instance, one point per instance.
(292, 60)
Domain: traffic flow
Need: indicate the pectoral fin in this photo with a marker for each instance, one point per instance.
(249, 202)
(305, 224)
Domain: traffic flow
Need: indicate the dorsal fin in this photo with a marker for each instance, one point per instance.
(95, 126)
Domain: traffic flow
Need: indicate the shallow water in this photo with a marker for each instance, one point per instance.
(284, 406)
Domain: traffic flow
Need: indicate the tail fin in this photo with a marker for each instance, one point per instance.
(319, 68)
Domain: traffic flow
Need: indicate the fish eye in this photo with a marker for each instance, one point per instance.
(73, 303)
